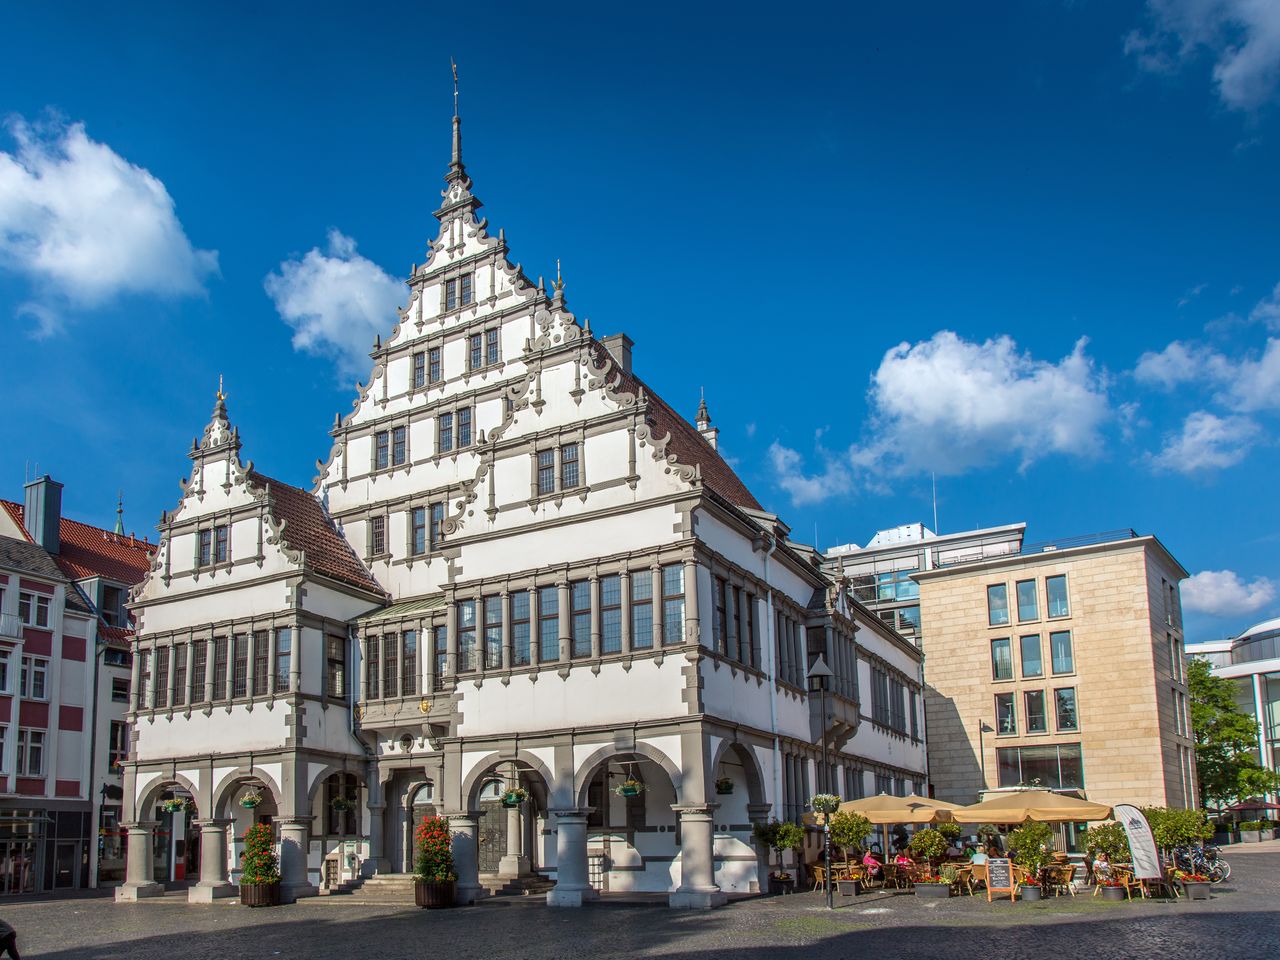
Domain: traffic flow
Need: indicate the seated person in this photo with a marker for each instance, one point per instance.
(979, 856)
(1101, 867)
(871, 863)
(903, 859)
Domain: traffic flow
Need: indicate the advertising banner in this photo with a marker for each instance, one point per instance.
(1146, 859)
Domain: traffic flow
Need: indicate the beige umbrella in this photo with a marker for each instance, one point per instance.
(1043, 805)
(885, 809)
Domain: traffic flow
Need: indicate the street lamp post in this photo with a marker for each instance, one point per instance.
(982, 749)
(819, 677)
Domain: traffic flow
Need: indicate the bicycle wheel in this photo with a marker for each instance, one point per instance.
(1221, 870)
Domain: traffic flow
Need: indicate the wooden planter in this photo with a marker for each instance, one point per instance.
(1113, 893)
(433, 895)
(1030, 892)
(933, 891)
(1196, 890)
(260, 894)
(778, 887)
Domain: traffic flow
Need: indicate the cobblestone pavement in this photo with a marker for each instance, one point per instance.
(1240, 921)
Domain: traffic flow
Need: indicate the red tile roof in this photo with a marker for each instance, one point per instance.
(89, 551)
(688, 446)
(309, 530)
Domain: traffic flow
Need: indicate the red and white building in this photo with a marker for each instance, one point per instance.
(65, 658)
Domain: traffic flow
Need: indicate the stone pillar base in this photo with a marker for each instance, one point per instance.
(132, 892)
(513, 865)
(558, 897)
(374, 865)
(469, 893)
(293, 892)
(207, 893)
(697, 899)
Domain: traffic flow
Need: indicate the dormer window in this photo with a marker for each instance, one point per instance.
(213, 545)
(458, 292)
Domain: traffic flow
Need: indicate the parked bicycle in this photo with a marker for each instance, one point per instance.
(1203, 860)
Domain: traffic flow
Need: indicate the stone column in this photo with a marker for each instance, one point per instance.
(692, 623)
(514, 863)
(209, 660)
(295, 842)
(138, 880)
(759, 813)
(466, 853)
(377, 805)
(213, 863)
(508, 656)
(595, 616)
(565, 613)
(573, 884)
(697, 858)
(451, 639)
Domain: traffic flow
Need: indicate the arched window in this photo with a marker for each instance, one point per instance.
(342, 804)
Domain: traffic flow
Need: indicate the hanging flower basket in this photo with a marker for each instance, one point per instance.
(514, 797)
(342, 804)
(724, 786)
(824, 803)
(629, 788)
(174, 805)
(251, 799)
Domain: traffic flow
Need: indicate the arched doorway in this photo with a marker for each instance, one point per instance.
(175, 842)
(632, 832)
(511, 796)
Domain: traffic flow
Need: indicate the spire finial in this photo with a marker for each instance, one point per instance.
(559, 284)
(220, 395)
(456, 169)
(120, 513)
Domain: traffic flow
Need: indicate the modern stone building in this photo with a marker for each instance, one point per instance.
(1059, 666)
(518, 567)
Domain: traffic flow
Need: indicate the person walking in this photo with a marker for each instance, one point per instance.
(9, 941)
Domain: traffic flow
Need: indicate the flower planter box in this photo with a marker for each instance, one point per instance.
(1196, 890)
(433, 895)
(260, 894)
(1030, 893)
(779, 887)
(933, 891)
(1250, 836)
(1113, 893)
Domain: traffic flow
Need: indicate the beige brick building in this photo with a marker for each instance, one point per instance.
(1060, 668)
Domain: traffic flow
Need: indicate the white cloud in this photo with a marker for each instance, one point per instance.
(1221, 593)
(1267, 310)
(86, 225)
(788, 471)
(336, 301)
(1207, 442)
(1245, 385)
(952, 405)
(1241, 36)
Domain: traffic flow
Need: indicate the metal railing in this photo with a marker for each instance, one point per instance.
(1085, 540)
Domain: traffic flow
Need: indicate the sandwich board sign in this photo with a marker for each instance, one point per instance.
(1000, 877)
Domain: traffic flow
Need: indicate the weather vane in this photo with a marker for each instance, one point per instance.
(455, 85)
(221, 395)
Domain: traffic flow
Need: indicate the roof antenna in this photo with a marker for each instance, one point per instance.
(934, 474)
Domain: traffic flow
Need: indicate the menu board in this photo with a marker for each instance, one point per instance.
(1000, 877)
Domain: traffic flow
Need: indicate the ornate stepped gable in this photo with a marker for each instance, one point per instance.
(542, 349)
(293, 522)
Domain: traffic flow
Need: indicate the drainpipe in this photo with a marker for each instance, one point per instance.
(772, 673)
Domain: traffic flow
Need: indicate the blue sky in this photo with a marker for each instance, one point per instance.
(1031, 248)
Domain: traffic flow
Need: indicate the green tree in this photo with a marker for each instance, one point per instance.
(1226, 738)
(849, 831)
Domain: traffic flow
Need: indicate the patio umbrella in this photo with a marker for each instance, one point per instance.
(1043, 805)
(886, 809)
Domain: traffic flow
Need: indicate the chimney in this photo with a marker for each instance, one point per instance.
(619, 346)
(42, 512)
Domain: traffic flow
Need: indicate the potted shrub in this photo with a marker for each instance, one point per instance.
(928, 844)
(849, 831)
(1112, 889)
(780, 836)
(724, 786)
(433, 876)
(514, 796)
(259, 869)
(1031, 847)
(1194, 885)
(1108, 838)
(937, 885)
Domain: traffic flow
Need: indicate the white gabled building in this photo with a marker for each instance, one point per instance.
(518, 567)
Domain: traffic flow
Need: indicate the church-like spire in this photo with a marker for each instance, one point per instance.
(457, 193)
(703, 422)
(120, 514)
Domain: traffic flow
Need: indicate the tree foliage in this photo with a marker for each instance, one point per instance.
(1030, 846)
(1173, 827)
(929, 844)
(849, 830)
(1226, 738)
(1109, 838)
